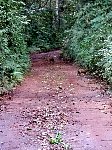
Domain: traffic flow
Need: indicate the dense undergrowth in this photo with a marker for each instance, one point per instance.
(89, 41)
(13, 54)
(24, 27)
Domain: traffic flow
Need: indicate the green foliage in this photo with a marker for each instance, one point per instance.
(57, 139)
(23, 25)
(41, 31)
(13, 55)
(90, 37)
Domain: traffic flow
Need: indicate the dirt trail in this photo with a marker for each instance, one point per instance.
(55, 105)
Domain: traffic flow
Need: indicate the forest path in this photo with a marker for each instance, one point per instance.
(55, 105)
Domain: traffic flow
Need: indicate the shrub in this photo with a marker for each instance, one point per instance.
(13, 54)
(90, 41)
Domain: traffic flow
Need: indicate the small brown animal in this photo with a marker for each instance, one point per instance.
(51, 60)
(81, 71)
(61, 56)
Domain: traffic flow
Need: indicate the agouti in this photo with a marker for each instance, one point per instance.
(81, 71)
(51, 60)
(61, 56)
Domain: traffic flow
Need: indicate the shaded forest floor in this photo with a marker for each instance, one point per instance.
(56, 109)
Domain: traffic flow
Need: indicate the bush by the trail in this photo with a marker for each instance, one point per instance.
(89, 42)
(13, 55)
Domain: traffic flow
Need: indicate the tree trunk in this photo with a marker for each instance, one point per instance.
(57, 13)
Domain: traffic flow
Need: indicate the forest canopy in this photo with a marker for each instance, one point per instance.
(83, 29)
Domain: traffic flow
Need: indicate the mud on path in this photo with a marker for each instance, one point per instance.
(56, 109)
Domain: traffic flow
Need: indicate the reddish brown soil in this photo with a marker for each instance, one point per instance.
(54, 101)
